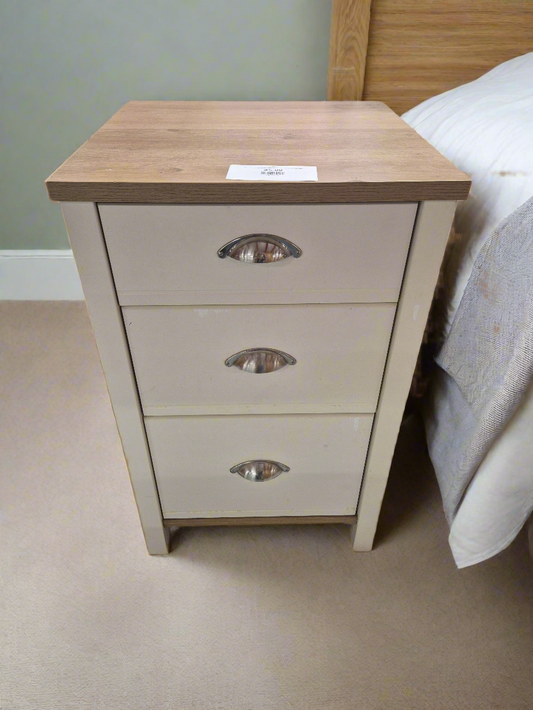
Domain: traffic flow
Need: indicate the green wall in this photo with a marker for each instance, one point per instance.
(68, 65)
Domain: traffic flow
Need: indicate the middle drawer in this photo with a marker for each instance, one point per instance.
(316, 358)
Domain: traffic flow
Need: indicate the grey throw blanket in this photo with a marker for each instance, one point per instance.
(488, 353)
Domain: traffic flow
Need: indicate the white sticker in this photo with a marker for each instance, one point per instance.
(280, 173)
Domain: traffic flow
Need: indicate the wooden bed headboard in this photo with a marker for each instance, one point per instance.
(405, 51)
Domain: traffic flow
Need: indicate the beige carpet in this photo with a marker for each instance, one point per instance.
(234, 619)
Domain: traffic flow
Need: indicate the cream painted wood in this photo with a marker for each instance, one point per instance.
(193, 455)
(179, 355)
(430, 235)
(154, 254)
(167, 254)
(83, 226)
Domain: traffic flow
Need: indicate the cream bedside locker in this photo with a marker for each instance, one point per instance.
(258, 337)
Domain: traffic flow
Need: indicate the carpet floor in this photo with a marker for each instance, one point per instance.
(261, 618)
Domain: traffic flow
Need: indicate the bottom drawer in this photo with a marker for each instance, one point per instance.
(192, 458)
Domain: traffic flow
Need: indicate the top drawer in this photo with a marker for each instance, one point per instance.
(168, 254)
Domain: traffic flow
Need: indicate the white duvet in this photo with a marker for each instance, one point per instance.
(486, 129)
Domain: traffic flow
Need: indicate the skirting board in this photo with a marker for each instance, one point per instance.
(39, 275)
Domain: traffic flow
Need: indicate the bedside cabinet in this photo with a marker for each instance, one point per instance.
(258, 336)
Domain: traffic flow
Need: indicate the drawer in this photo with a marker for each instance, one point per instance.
(180, 356)
(168, 254)
(193, 458)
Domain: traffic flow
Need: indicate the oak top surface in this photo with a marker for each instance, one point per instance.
(180, 152)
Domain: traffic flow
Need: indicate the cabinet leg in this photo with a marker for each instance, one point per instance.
(361, 542)
(157, 541)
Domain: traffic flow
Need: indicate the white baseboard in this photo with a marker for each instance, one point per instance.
(39, 275)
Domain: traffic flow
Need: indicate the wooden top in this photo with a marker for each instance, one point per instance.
(180, 152)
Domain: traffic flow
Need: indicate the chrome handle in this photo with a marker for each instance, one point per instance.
(260, 360)
(259, 471)
(259, 249)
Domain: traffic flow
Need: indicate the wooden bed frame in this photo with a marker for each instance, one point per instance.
(405, 51)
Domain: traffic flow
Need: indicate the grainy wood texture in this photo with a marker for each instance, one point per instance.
(432, 227)
(420, 48)
(350, 20)
(283, 520)
(83, 226)
(179, 152)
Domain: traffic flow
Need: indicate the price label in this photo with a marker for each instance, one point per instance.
(280, 173)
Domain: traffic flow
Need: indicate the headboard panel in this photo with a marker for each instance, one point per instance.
(420, 48)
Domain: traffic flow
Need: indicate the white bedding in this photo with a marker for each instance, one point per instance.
(486, 129)
(499, 499)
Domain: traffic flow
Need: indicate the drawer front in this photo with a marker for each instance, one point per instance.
(193, 456)
(168, 254)
(179, 356)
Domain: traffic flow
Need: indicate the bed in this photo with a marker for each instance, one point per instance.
(461, 73)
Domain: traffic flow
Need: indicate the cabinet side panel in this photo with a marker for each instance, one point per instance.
(85, 234)
(430, 235)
